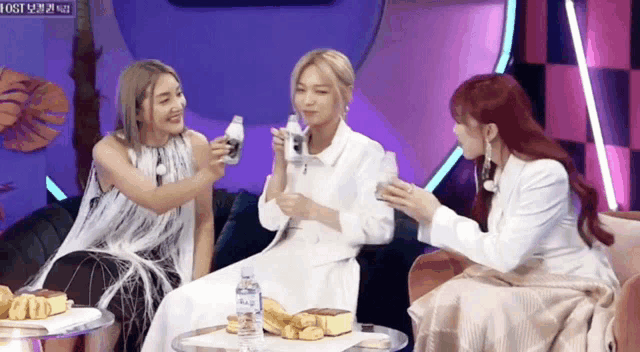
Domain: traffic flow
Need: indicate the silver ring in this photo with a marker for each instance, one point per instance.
(411, 187)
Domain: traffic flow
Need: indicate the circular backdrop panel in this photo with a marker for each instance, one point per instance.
(239, 60)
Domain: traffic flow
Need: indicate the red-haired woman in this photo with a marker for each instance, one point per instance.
(543, 278)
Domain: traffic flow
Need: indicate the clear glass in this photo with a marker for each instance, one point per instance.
(249, 311)
(388, 170)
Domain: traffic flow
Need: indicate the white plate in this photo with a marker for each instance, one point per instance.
(72, 317)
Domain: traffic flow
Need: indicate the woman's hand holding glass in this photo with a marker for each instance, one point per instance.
(218, 150)
(411, 200)
(388, 171)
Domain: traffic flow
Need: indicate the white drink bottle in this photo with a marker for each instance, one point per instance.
(235, 138)
(294, 146)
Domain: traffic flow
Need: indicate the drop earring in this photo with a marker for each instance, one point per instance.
(486, 166)
(488, 184)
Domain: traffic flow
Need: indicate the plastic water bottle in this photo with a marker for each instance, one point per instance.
(249, 311)
(235, 138)
(295, 146)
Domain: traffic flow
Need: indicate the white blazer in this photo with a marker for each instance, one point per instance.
(531, 216)
(344, 179)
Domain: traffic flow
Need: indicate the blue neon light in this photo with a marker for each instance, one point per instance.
(448, 165)
(501, 66)
(55, 190)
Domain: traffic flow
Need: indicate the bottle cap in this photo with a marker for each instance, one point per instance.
(247, 271)
(237, 119)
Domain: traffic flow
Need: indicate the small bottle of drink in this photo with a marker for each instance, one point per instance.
(235, 138)
(294, 143)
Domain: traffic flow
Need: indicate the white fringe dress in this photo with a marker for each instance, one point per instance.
(121, 256)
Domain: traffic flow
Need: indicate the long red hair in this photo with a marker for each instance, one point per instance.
(499, 99)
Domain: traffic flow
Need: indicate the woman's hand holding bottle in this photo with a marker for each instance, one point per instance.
(218, 150)
(279, 136)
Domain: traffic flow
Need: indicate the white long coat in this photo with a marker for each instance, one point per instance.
(310, 265)
(531, 216)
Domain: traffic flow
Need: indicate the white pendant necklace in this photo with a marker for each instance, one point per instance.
(161, 170)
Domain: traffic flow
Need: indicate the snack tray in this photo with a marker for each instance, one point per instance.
(273, 343)
(72, 317)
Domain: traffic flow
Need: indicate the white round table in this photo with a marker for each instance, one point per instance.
(398, 339)
(9, 335)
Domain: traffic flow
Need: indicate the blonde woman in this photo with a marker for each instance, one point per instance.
(324, 210)
(145, 224)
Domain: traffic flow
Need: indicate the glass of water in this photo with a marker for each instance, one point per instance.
(388, 170)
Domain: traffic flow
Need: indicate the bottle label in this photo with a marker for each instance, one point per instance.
(249, 302)
(297, 143)
(235, 147)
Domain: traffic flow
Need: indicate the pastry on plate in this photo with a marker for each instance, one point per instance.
(290, 332)
(274, 317)
(311, 333)
(333, 322)
(39, 308)
(57, 300)
(303, 320)
(20, 307)
(232, 324)
(6, 296)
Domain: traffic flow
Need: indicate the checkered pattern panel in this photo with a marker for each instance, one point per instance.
(545, 64)
(610, 31)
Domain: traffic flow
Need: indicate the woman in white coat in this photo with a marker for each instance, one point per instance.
(324, 210)
(538, 264)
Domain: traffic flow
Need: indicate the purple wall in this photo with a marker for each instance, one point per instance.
(23, 51)
(421, 53)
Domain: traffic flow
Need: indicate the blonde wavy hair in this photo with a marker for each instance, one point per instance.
(334, 65)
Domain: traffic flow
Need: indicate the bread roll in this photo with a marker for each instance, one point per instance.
(290, 332)
(19, 307)
(311, 333)
(303, 320)
(6, 297)
(39, 308)
(275, 318)
(232, 324)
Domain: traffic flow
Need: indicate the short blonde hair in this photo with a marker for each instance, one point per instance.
(132, 90)
(335, 65)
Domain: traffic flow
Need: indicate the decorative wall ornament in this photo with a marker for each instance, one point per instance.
(27, 105)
